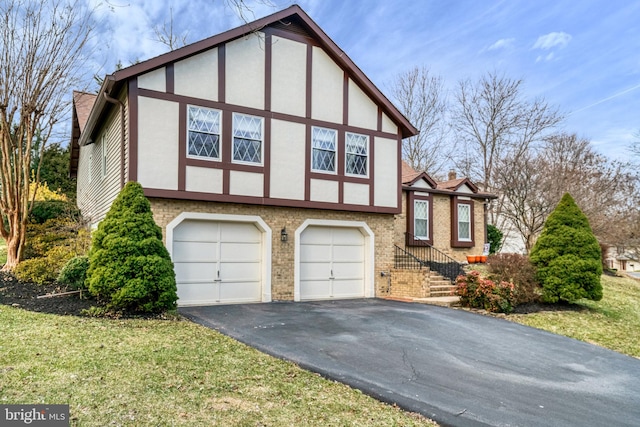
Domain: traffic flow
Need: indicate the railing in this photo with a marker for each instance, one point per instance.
(421, 254)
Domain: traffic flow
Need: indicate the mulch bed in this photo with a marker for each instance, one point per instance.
(25, 295)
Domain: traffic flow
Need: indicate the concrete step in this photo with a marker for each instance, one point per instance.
(442, 301)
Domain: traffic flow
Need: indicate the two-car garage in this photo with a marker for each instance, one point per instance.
(227, 259)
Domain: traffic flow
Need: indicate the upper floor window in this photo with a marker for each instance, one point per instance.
(357, 154)
(323, 149)
(421, 219)
(464, 222)
(203, 132)
(247, 138)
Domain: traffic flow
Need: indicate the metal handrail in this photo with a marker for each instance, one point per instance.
(422, 253)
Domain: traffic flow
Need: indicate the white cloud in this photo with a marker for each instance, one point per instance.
(552, 40)
(502, 44)
(545, 58)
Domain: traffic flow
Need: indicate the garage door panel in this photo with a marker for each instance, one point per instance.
(315, 270)
(348, 288)
(348, 270)
(194, 230)
(240, 271)
(240, 292)
(315, 252)
(194, 271)
(197, 293)
(348, 253)
(195, 251)
(346, 236)
(316, 235)
(239, 232)
(240, 252)
(315, 289)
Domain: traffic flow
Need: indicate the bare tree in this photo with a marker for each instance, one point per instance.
(531, 184)
(41, 47)
(494, 122)
(166, 35)
(422, 99)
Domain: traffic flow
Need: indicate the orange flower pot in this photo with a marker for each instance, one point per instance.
(471, 259)
(482, 258)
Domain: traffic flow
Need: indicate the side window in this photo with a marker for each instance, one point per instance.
(323, 149)
(464, 222)
(357, 154)
(247, 138)
(421, 219)
(203, 132)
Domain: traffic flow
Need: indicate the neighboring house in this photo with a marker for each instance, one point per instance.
(271, 162)
(623, 259)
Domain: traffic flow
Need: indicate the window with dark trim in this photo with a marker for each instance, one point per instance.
(419, 219)
(357, 154)
(203, 132)
(462, 223)
(247, 138)
(323, 149)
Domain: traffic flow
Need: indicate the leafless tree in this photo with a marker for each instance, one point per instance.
(494, 122)
(421, 97)
(41, 48)
(166, 35)
(531, 184)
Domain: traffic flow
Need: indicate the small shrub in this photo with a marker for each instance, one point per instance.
(74, 272)
(494, 237)
(478, 292)
(44, 269)
(517, 269)
(49, 209)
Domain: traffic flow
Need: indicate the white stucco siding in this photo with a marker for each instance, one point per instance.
(154, 80)
(203, 180)
(244, 71)
(356, 194)
(157, 143)
(327, 83)
(363, 112)
(246, 184)
(197, 76)
(386, 172)
(288, 76)
(388, 125)
(287, 160)
(324, 191)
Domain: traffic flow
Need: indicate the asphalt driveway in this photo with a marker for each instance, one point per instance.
(456, 367)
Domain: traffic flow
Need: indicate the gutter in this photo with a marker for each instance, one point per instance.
(122, 130)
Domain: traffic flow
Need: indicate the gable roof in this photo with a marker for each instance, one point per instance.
(410, 176)
(455, 184)
(81, 109)
(295, 20)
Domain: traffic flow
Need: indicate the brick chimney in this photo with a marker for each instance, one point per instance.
(452, 175)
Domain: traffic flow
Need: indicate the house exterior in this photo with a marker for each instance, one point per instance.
(271, 162)
(623, 259)
(449, 216)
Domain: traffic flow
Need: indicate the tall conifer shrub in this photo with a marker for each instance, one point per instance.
(129, 267)
(567, 256)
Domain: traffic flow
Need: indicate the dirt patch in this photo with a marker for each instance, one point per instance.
(25, 295)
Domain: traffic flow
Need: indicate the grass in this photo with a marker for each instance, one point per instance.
(613, 322)
(3, 251)
(168, 372)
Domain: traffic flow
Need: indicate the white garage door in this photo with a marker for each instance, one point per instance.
(331, 263)
(217, 262)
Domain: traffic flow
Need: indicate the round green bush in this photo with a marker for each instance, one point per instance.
(129, 268)
(74, 272)
(567, 256)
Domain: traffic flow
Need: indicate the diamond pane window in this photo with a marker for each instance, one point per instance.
(203, 126)
(357, 150)
(323, 149)
(247, 138)
(464, 222)
(421, 219)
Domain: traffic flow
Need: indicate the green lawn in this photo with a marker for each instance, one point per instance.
(3, 251)
(171, 372)
(613, 322)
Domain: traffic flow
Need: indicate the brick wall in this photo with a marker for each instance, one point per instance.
(413, 283)
(283, 253)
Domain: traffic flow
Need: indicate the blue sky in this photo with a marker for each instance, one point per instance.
(581, 56)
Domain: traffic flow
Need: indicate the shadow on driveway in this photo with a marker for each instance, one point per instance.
(456, 367)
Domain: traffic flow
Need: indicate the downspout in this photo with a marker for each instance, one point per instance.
(122, 130)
